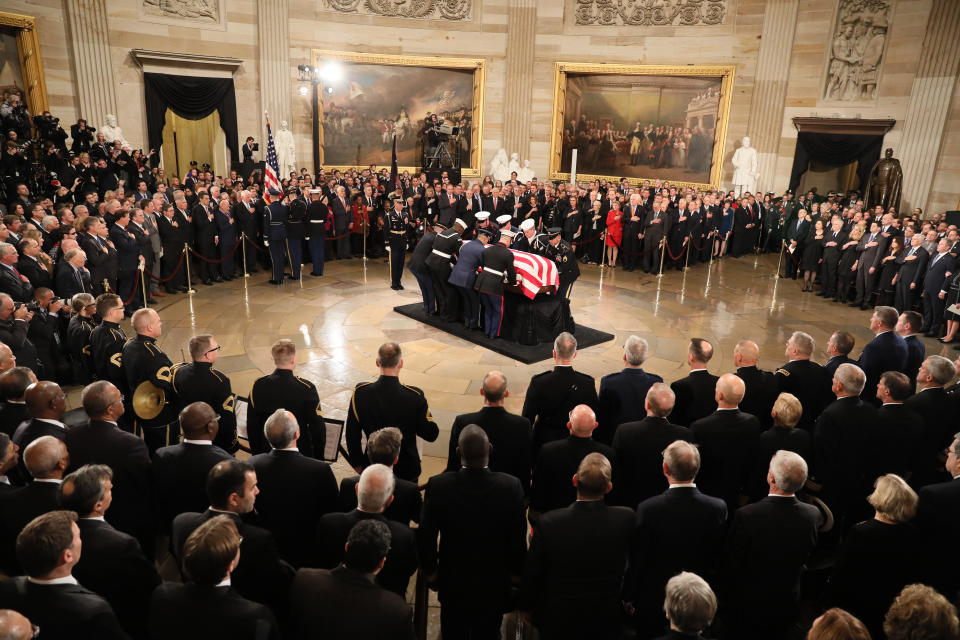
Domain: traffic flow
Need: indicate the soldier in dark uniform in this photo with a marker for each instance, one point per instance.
(143, 361)
(497, 262)
(317, 213)
(106, 344)
(198, 381)
(388, 403)
(806, 379)
(283, 390)
(418, 267)
(530, 242)
(296, 230)
(396, 223)
(445, 246)
(275, 234)
(567, 267)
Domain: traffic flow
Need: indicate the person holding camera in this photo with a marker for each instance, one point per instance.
(46, 331)
(248, 164)
(82, 136)
(15, 117)
(49, 130)
(15, 319)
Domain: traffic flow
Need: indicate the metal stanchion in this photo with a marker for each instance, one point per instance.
(663, 253)
(713, 240)
(243, 249)
(143, 286)
(783, 246)
(686, 263)
(186, 251)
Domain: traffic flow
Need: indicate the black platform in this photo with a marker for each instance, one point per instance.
(527, 354)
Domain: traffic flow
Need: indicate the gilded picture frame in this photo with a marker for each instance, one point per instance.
(31, 62)
(477, 65)
(725, 73)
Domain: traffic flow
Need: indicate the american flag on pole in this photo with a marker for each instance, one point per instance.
(271, 169)
(534, 272)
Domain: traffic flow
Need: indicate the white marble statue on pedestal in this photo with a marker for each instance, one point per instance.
(286, 150)
(525, 174)
(745, 169)
(498, 166)
(514, 165)
(111, 131)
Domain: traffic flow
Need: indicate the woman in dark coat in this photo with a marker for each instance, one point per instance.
(889, 268)
(812, 254)
(846, 270)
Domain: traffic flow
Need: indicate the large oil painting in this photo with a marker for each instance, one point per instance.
(642, 123)
(376, 98)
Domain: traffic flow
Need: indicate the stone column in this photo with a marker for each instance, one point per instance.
(90, 50)
(273, 35)
(770, 87)
(518, 93)
(930, 97)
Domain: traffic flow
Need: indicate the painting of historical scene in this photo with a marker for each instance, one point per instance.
(11, 75)
(371, 103)
(641, 126)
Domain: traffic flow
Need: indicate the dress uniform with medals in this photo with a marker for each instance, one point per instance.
(200, 382)
(317, 213)
(497, 263)
(283, 390)
(275, 234)
(397, 223)
(106, 347)
(296, 231)
(143, 361)
(562, 254)
(445, 246)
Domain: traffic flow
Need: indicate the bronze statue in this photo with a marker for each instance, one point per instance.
(885, 182)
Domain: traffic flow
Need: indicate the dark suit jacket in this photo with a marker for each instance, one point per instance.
(912, 271)
(916, 352)
(729, 442)
(191, 612)
(405, 507)
(810, 383)
(557, 462)
(11, 415)
(938, 410)
(113, 566)
(639, 449)
(13, 286)
(886, 352)
(898, 440)
(694, 397)
(31, 268)
(479, 516)
(295, 491)
(938, 518)
(261, 575)
(834, 363)
(510, 437)
(842, 434)
(344, 603)
(621, 399)
(574, 570)
(935, 278)
(35, 428)
(17, 509)
(62, 611)
(180, 472)
(782, 438)
(401, 562)
(550, 398)
(760, 394)
(66, 283)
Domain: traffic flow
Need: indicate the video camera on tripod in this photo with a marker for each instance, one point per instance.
(439, 155)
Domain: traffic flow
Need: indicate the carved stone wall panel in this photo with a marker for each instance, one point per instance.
(201, 14)
(857, 49)
(456, 10)
(645, 13)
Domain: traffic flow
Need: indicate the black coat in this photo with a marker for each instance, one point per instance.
(811, 384)
(295, 491)
(937, 409)
(68, 281)
(621, 400)
(200, 382)
(550, 398)
(11, 415)
(191, 612)
(405, 507)
(181, 473)
(479, 516)
(843, 433)
(62, 611)
(13, 333)
(639, 449)
(17, 509)
(938, 518)
(916, 353)
(496, 258)
(834, 363)
(282, 389)
(781, 438)
(898, 440)
(886, 352)
(557, 462)
(761, 391)
(38, 276)
(15, 287)
(695, 397)
(510, 437)
(106, 348)
(729, 442)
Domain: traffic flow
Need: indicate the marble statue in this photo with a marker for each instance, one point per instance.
(525, 174)
(745, 168)
(514, 165)
(857, 49)
(286, 150)
(885, 182)
(498, 166)
(111, 131)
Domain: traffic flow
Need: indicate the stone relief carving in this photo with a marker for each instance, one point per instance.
(644, 13)
(204, 10)
(442, 9)
(856, 50)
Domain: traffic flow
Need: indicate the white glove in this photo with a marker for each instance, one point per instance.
(266, 243)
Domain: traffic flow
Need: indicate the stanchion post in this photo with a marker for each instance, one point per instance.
(186, 256)
(686, 263)
(143, 285)
(364, 258)
(713, 241)
(243, 249)
(783, 246)
(663, 253)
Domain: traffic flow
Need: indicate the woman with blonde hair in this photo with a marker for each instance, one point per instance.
(921, 613)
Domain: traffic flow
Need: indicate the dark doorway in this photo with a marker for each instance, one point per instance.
(836, 153)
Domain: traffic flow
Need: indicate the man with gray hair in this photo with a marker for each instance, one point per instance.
(886, 352)
(938, 410)
(804, 378)
(296, 490)
(690, 604)
(622, 394)
(769, 543)
(552, 395)
(12, 282)
(374, 494)
(639, 445)
(383, 447)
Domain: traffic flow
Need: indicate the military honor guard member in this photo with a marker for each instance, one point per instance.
(445, 246)
(397, 222)
(497, 261)
(296, 230)
(464, 276)
(198, 381)
(559, 250)
(275, 234)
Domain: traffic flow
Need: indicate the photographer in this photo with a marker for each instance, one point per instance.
(82, 136)
(14, 166)
(46, 332)
(248, 164)
(14, 320)
(49, 130)
(15, 117)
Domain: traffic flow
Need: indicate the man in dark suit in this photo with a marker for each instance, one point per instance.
(899, 435)
(128, 259)
(171, 227)
(936, 283)
(181, 470)
(795, 235)
(553, 394)
(509, 434)
(13, 387)
(479, 516)
(913, 264)
(374, 492)
(388, 403)
(33, 269)
(639, 447)
(48, 594)
(938, 518)
(769, 543)
(14, 324)
(113, 565)
(12, 282)
(729, 440)
(804, 378)
(839, 346)
(834, 240)
(207, 606)
(383, 447)
(622, 394)
(573, 574)
(9, 457)
(71, 276)
(886, 352)
(206, 238)
(342, 222)
(936, 409)
(695, 393)
(679, 530)
(295, 491)
(101, 255)
(100, 441)
(908, 328)
(346, 602)
(260, 575)
(761, 387)
(46, 403)
(870, 252)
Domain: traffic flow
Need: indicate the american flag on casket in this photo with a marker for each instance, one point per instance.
(534, 272)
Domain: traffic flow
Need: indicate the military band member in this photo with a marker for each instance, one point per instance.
(397, 222)
(561, 253)
(198, 381)
(106, 345)
(275, 234)
(445, 246)
(283, 390)
(296, 230)
(497, 263)
(143, 361)
(317, 214)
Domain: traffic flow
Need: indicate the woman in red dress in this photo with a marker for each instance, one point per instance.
(614, 232)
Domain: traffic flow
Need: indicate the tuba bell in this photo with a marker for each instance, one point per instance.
(148, 400)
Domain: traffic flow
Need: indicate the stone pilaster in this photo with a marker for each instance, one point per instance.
(93, 67)
(273, 34)
(930, 96)
(518, 93)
